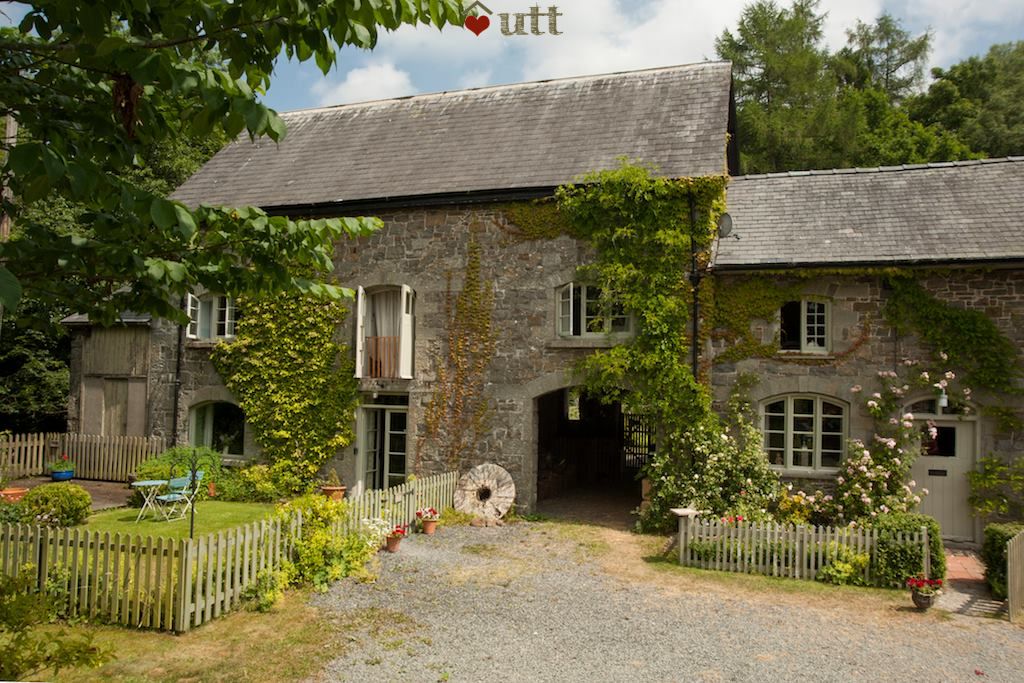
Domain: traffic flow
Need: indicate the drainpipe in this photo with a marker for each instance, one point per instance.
(695, 278)
(177, 379)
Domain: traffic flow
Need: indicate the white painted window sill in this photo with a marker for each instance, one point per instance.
(602, 342)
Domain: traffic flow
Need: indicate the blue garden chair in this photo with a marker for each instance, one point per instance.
(181, 492)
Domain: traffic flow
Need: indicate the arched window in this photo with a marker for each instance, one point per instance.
(220, 426)
(804, 432)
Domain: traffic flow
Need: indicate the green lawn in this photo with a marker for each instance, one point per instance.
(210, 516)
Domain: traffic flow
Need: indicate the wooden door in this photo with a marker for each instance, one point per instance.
(942, 470)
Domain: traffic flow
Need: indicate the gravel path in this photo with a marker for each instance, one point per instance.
(547, 602)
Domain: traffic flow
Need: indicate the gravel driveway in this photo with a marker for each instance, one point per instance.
(551, 602)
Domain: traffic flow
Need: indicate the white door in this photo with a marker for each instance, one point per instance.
(942, 469)
(384, 447)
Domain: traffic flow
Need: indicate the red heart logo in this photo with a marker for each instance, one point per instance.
(478, 24)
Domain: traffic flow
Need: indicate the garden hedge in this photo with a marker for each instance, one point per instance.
(896, 562)
(993, 554)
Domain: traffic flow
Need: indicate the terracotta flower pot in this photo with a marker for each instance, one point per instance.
(211, 489)
(429, 526)
(392, 544)
(333, 492)
(13, 495)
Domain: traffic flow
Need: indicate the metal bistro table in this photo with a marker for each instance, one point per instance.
(149, 489)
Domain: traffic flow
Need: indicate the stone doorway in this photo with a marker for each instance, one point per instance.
(588, 456)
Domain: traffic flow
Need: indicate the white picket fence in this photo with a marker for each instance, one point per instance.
(104, 458)
(797, 552)
(1015, 577)
(177, 585)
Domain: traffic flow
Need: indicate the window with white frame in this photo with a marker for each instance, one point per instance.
(804, 326)
(804, 432)
(385, 332)
(211, 316)
(583, 312)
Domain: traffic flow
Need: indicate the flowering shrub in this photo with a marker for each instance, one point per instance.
(803, 508)
(875, 477)
(924, 586)
(56, 505)
(428, 515)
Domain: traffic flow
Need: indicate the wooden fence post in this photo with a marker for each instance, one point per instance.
(686, 517)
(926, 555)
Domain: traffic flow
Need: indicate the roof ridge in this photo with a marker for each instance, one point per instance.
(509, 86)
(881, 169)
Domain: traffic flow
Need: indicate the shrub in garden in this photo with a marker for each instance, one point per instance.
(253, 484)
(993, 554)
(10, 513)
(997, 488)
(323, 554)
(56, 505)
(847, 568)
(895, 560)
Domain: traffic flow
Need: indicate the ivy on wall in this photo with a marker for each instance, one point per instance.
(294, 381)
(985, 357)
(456, 418)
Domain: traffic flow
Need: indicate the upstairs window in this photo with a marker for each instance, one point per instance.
(385, 328)
(804, 326)
(211, 316)
(583, 313)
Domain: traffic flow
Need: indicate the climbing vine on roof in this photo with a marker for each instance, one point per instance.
(641, 228)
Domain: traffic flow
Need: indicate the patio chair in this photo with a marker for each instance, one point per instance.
(181, 492)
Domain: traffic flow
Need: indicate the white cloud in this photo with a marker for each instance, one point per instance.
(375, 81)
(476, 78)
(960, 25)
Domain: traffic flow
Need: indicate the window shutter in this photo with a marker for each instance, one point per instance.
(229, 317)
(406, 331)
(192, 308)
(360, 330)
(565, 312)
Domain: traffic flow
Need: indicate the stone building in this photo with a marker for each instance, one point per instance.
(441, 168)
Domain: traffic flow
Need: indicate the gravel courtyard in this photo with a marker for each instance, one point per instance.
(558, 602)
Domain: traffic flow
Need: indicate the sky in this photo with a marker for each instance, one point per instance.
(600, 36)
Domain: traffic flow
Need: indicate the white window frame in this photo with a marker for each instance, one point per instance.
(406, 368)
(203, 414)
(565, 313)
(211, 316)
(788, 432)
(805, 346)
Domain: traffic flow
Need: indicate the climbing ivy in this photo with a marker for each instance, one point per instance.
(539, 219)
(294, 381)
(456, 417)
(641, 229)
(983, 355)
(738, 302)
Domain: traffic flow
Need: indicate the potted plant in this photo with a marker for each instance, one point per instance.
(11, 494)
(924, 592)
(331, 486)
(427, 518)
(395, 537)
(62, 469)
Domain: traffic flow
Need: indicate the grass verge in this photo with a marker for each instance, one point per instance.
(210, 516)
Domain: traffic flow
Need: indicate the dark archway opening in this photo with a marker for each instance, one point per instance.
(589, 453)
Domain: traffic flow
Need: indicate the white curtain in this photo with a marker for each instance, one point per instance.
(385, 313)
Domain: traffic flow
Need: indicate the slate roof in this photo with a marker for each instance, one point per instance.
(528, 135)
(948, 212)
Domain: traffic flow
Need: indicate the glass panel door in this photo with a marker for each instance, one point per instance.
(372, 474)
(396, 447)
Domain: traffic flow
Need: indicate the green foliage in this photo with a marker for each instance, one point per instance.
(252, 484)
(984, 356)
(323, 554)
(456, 417)
(99, 83)
(993, 555)
(740, 301)
(10, 513)
(269, 587)
(640, 226)
(846, 568)
(997, 487)
(978, 100)
(800, 107)
(294, 381)
(56, 505)
(24, 649)
(540, 219)
(452, 517)
(896, 560)
(34, 376)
